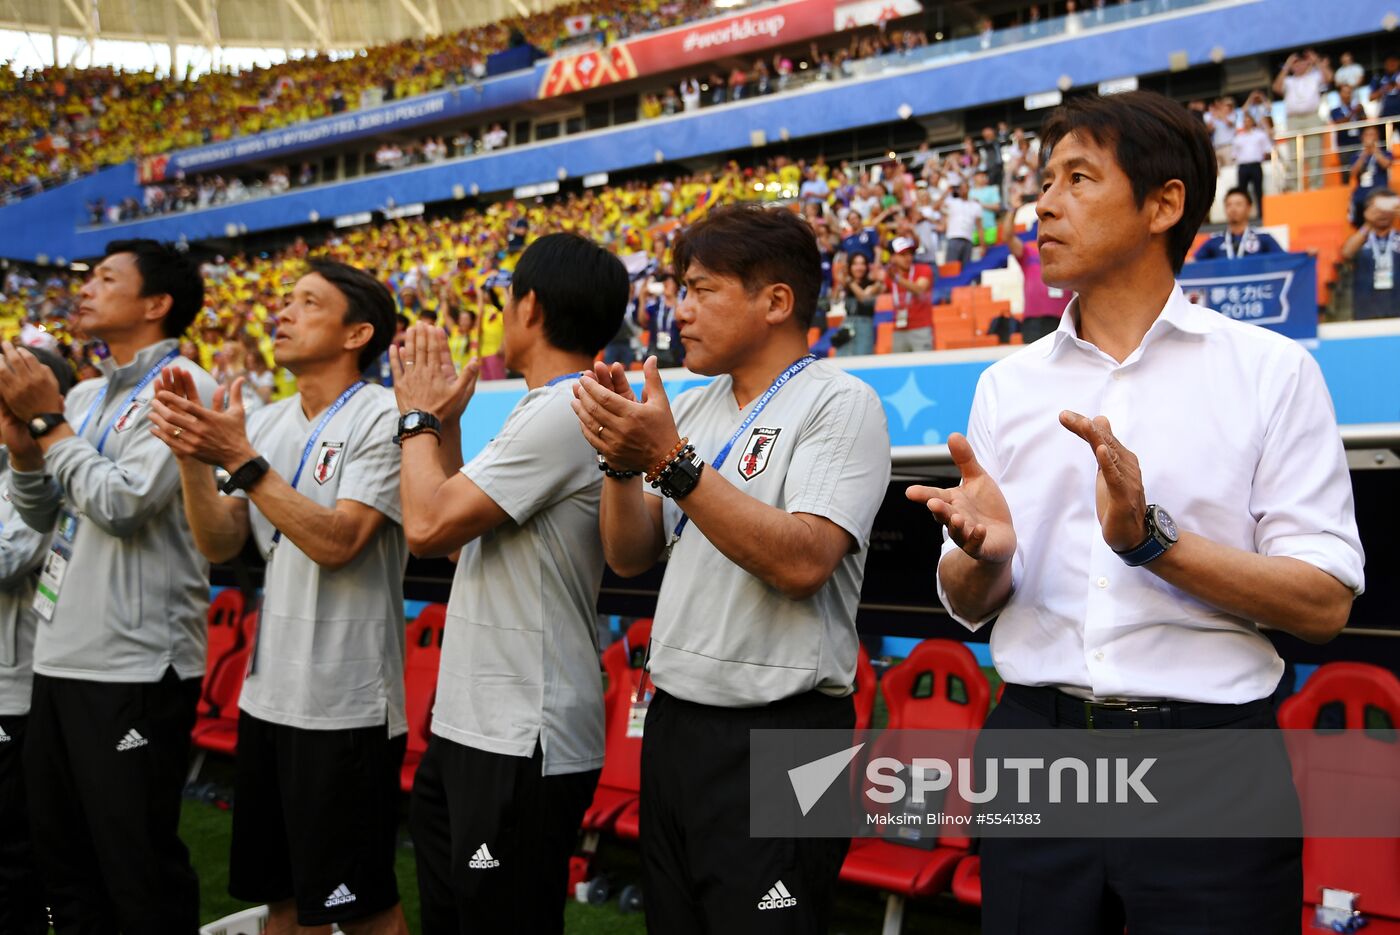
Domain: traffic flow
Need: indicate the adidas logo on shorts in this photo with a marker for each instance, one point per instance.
(340, 897)
(4, 737)
(777, 898)
(482, 859)
(131, 741)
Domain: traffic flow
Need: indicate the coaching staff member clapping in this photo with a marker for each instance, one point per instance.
(517, 733)
(1140, 492)
(767, 482)
(121, 599)
(321, 725)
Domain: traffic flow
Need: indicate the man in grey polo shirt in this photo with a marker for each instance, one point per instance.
(755, 623)
(321, 729)
(121, 599)
(22, 551)
(517, 733)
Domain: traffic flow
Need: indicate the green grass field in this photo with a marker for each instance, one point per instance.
(207, 828)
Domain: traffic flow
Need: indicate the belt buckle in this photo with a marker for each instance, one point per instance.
(1117, 704)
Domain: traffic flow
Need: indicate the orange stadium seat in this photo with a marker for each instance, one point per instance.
(1351, 696)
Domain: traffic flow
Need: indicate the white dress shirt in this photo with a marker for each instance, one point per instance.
(1238, 441)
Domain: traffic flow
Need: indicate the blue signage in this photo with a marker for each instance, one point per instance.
(1277, 291)
(396, 115)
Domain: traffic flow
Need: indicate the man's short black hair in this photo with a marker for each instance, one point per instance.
(1155, 140)
(580, 286)
(166, 271)
(366, 300)
(1242, 192)
(759, 247)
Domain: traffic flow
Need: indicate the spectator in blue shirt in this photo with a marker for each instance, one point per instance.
(1370, 172)
(1349, 110)
(1239, 240)
(1386, 87)
(863, 242)
(658, 317)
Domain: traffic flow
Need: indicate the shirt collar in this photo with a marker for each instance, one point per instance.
(1178, 314)
(142, 362)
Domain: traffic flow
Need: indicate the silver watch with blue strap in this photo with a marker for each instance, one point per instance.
(1161, 536)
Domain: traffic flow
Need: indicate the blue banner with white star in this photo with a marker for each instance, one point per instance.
(928, 396)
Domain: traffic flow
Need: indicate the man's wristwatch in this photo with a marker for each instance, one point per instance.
(246, 476)
(1161, 536)
(416, 422)
(681, 475)
(44, 423)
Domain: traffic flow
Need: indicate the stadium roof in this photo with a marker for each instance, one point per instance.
(285, 24)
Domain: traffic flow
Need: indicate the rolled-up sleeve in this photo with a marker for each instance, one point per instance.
(1302, 498)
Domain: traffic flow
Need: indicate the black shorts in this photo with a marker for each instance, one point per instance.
(492, 837)
(315, 819)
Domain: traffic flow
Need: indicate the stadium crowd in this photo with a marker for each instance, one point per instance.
(60, 122)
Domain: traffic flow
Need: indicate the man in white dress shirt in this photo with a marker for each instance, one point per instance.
(1140, 405)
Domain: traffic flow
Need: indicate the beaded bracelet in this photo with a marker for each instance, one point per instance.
(684, 454)
(615, 475)
(661, 465)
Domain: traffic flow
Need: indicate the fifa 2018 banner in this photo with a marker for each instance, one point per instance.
(694, 44)
(1277, 291)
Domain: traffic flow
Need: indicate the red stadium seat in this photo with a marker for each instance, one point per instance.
(423, 652)
(967, 881)
(614, 805)
(1349, 695)
(219, 731)
(225, 611)
(939, 686)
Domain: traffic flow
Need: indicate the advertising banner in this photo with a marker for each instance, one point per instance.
(741, 34)
(1277, 291)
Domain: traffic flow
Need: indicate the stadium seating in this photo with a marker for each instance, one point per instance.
(938, 687)
(615, 803)
(423, 651)
(1350, 696)
(225, 635)
(217, 731)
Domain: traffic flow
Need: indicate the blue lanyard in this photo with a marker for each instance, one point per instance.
(102, 394)
(762, 403)
(560, 379)
(316, 434)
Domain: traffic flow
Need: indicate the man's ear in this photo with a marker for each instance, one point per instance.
(361, 333)
(1170, 205)
(158, 306)
(781, 303)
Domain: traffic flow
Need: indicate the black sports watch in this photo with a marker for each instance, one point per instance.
(44, 423)
(415, 422)
(246, 476)
(681, 476)
(1161, 536)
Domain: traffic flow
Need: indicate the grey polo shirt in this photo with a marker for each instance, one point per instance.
(21, 553)
(723, 637)
(330, 648)
(136, 591)
(520, 655)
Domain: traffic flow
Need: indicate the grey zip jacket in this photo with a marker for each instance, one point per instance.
(135, 593)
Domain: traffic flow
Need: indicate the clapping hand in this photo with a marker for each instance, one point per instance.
(1119, 497)
(975, 512)
(630, 434)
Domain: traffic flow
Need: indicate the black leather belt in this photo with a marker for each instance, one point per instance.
(1064, 710)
